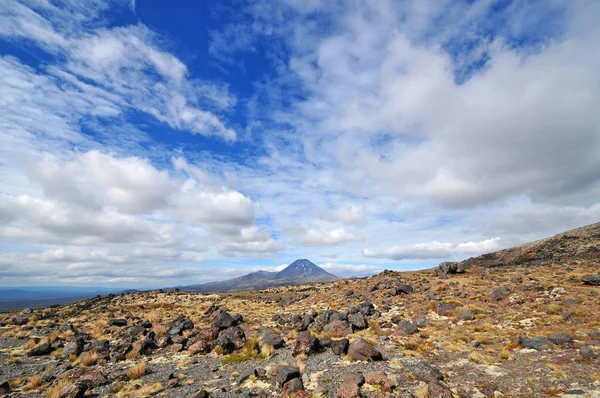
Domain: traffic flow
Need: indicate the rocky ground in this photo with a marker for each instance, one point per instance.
(518, 330)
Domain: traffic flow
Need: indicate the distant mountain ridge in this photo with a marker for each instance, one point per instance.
(299, 272)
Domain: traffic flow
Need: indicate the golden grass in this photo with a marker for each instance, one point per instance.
(53, 336)
(88, 358)
(33, 383)
(267, 350)
(553, 309)
(55, 390)
(136, 371)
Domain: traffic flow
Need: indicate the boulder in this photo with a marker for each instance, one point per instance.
(236, 335)
(593, 279)
(358, 321)
(561, 339)
(73, 391)
(536, 343)
(40, 349)
(349, 387)
(406, 328)
(199, 347)
(286, 373)
(74, 347)
(498, 294)
(403, 288)
(225, 344)
(272, 339)
(587, 352)
(306, 344)
(442, 308)
(438, 390)
(339, 347)
(465, 316)
(380, 379)
(224, 321)
(421, 370)
(118, 322)
(293, 386)
(338, 328)
(360, 350)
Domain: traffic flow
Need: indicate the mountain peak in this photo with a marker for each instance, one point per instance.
(305, 269)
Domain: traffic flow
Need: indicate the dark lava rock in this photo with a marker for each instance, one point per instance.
(199, 347)
(225, 344)
(40, 349)
(536, 343)
(338, 328)
(224, 321)
(74, 347)
(293, 386)
(286, 373)
(272, 339)
(587, 352)
(593, 279)
(200, 394)
(421, 370)
(366, 308)
(349, 387)
(306, 344)
(406, 328)
(118, 322)
(73, 391)
(465, 315)
(339, 347)
(237, 318)
(380, 379)
(4, 388)
(438, 390)
(403, 288)
(561, 339)
(358, 321)
(433, 296)
(236, 335)
(442, 308)
(360, 350)
(498, 294)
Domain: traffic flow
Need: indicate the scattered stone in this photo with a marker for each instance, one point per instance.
(293, 386)
(421, 370)
(4, 388)
(433, 296)
(286, 373)
(173, 383)
(350, 385)
(438, 390)
(406, 328)
(305, 344)
(93, 379)
(498, 294)
(224, 321)
(339, 347)
(348, 293)
(201, 394)
(73, 391)
(561, 339)
(199, 347)
(465, 316)
(236, 335)
(587, 352)
(360, 350)
(118, 322)
(403, 288)
(40, 349)
(74, 347)
(536, 343)
(225, 344)
(338, 328)
(379, 378)
(593, 279)
(442, 308)
(358, 321)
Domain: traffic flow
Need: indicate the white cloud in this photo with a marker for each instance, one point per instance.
(434, 250)
(347, 270)
(324, 237)
(347, 214)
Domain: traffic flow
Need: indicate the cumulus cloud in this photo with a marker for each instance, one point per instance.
(347, 270)
(324, 237)
(434, 250)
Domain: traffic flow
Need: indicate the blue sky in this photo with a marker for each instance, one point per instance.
(149, 145)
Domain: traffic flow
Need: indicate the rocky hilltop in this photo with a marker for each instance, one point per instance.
(523, 329)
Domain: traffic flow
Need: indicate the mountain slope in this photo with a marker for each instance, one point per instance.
(297, 273)
(580, 243)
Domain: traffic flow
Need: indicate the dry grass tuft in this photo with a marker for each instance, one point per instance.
(55, 390)
(88, 358)
(136, 371)
(33, 383)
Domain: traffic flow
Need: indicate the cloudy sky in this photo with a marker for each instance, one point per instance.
(147, 144)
